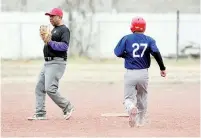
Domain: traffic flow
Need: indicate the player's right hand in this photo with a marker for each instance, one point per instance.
(163, 73)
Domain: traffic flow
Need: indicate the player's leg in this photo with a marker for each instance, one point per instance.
(142, 98)
(53, 74)
(130, 92)
(40, 94)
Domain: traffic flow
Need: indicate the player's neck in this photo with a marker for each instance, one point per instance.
(61, 23)
(139, 32)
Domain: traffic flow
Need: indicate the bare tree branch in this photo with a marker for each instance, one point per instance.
(81, 32)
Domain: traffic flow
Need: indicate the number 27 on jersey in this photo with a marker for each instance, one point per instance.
(136, 47)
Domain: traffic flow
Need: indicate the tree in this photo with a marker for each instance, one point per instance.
(80, 17)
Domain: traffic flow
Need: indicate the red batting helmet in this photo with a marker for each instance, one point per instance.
(138, 24)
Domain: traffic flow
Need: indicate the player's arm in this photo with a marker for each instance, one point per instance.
(119, 50)
(63, 45)
(156, 54)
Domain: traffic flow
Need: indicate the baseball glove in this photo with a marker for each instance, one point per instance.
(45, 33)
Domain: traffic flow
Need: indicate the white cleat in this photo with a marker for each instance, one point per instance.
(142, 121)
(132, 116)
(68, 114)
(37, 117)
(140, 124)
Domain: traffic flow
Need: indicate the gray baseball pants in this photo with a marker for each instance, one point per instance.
(135, 90)
(48, 82)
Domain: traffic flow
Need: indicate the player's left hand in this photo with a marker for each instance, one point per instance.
(163, 73)
(45, 33)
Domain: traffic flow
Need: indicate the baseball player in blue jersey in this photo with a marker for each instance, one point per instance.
(136, 49)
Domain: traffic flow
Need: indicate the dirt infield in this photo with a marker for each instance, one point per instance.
(94, 89)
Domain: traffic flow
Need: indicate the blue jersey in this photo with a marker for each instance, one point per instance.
(136, 49)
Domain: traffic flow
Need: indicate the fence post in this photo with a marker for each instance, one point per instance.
(20, 38)
(177, 36)
(99, 41)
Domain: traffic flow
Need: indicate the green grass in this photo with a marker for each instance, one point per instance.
(174, 62)
(76, 60)
(182, 62)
